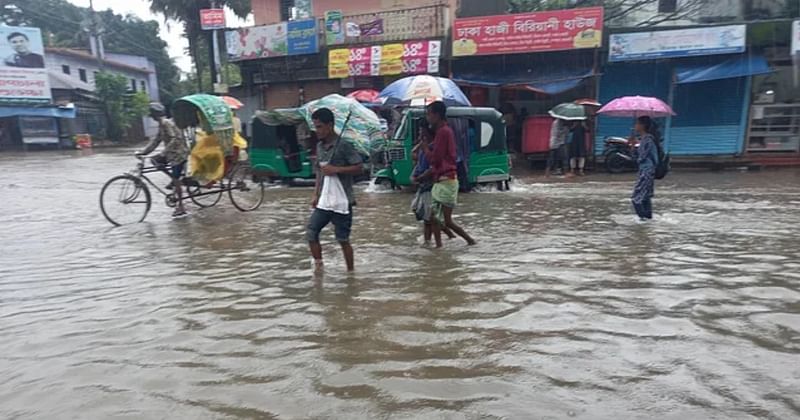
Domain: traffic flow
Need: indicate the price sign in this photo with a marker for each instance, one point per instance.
(413, 57)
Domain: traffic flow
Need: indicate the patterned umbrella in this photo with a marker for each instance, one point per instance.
(569, 111)
(637, 106)
(363, 127)
(422, 90)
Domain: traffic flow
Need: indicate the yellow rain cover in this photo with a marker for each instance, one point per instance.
(239, 141)
(206, 161)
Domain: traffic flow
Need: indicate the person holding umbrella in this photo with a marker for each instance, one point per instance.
(442, 157)
(643, 109)
(558, 139)
(643, 191)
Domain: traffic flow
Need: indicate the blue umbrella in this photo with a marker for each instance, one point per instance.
(422, 90)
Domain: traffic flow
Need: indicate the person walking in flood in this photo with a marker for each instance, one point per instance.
(558, 148)
(337, 163)
(577, 148)
(442, 157)
(643, 192)
(423, 177)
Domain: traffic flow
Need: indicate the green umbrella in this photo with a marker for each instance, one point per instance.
(363, 128)
(569, 111)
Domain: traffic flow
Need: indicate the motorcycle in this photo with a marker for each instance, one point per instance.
(619, 156)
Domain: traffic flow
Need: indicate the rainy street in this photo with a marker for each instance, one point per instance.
(567, 307)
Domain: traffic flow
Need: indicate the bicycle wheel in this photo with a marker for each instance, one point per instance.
(245, 191)
(205, 197)
(125, 200)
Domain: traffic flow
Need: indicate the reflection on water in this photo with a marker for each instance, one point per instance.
(566, 308)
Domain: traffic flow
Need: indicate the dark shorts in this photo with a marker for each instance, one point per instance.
(343, 223)
(175, 171)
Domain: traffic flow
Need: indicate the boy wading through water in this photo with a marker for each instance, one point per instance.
(337, 163)
(442, 157)
(423, 177)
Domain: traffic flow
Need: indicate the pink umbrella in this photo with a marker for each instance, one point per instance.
(233, 102)
(636, 106)
(365, 95)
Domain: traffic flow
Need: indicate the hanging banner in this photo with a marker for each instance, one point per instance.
(677, 43)
(528, 32)
(334, 31)
(371, 28)
(23, 77)
(282, 39)
(413, 57)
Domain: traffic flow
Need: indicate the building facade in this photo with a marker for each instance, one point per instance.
(79, 68)
(288, 72)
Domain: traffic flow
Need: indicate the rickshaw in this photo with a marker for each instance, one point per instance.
(130, 192)
(283, 144)
(480, 135)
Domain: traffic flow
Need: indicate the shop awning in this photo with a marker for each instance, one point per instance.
(739, 66)
(551, 83)
(37, 111)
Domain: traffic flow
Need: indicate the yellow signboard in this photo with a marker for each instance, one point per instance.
(338, 56)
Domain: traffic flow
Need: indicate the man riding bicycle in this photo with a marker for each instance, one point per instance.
(174, 154)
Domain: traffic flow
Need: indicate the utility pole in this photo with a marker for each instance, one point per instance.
(95, 30)
(214, 45)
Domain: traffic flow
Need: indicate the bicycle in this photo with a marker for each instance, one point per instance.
(130, 192)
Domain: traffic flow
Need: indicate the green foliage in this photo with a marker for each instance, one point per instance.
(63, 25)
(121, 108)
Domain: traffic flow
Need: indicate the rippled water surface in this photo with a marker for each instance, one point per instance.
(567, 308)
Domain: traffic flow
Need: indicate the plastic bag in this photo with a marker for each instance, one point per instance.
(333, 197)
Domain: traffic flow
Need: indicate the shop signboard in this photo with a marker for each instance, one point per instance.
(23, 76)
(334, 27)
(677, 43)
(528, 32)
(302, 37)
(211, 19)
(414, 57)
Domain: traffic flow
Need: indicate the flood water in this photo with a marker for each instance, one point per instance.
(567, 307)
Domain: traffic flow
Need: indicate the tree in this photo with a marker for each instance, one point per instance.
(187, 12)
(63, 25)
(617, 12)
(120, 107)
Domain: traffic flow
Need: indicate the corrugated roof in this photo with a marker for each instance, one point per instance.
(85, 55)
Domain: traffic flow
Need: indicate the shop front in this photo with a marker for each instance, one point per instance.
(774, 127)
(25, 126)
(705, 74)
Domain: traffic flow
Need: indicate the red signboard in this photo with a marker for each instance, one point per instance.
(529, 32)
(212, 19)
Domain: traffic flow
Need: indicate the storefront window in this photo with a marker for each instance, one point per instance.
(775, 112)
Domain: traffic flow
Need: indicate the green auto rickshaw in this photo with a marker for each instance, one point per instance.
(283, 143)
(480, 137)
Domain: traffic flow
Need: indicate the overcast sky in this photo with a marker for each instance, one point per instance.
(171, 32)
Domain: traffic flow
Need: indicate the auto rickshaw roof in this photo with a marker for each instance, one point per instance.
(482, 113)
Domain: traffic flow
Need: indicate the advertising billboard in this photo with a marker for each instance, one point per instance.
(23, 76)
